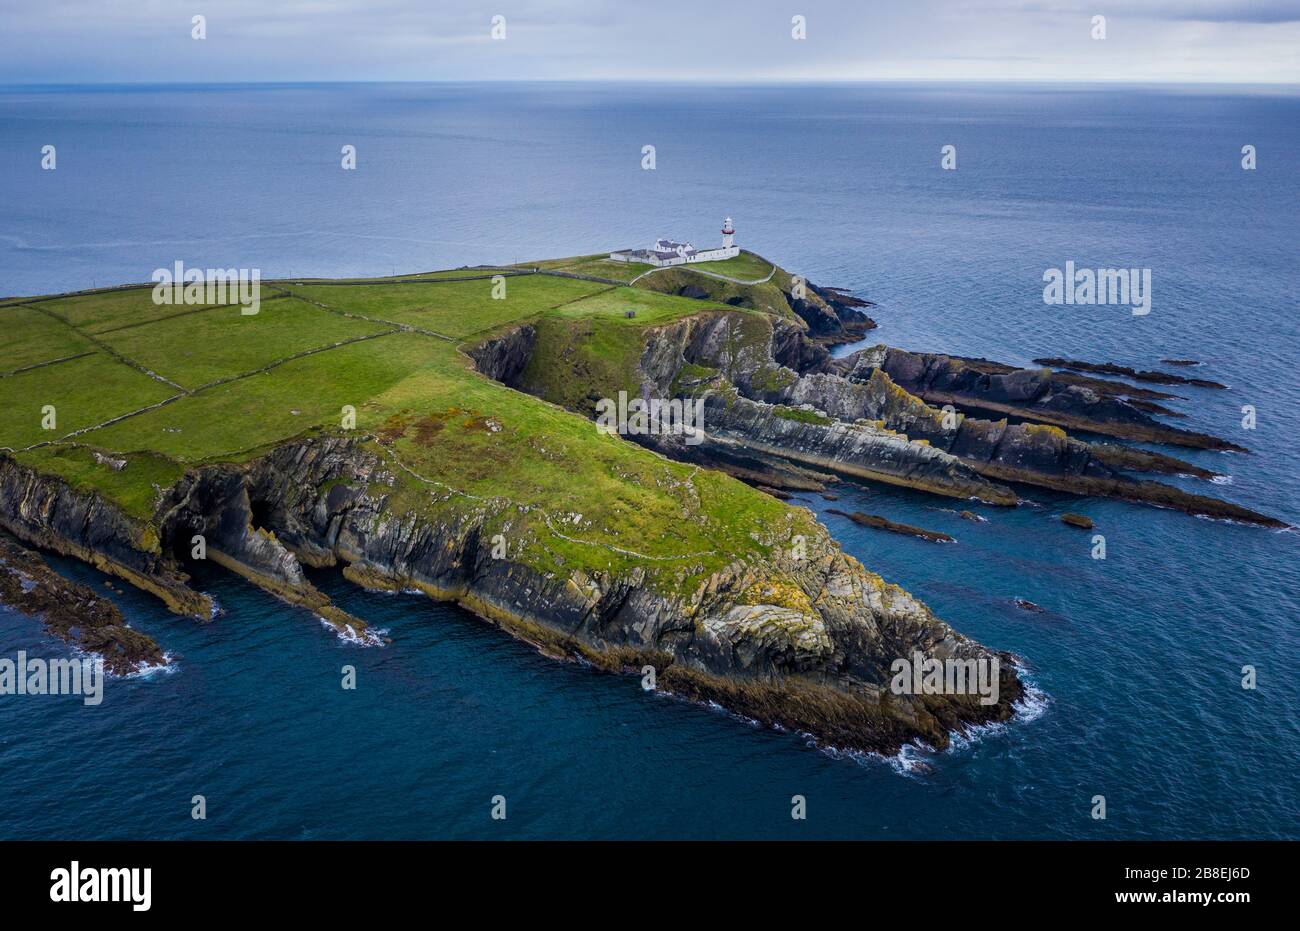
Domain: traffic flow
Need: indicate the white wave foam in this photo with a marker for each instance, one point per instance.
(913, 759)
(370, 637)
(150, 670)
(141, 670)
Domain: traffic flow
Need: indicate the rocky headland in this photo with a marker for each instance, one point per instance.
(474, 475)
(850, 417)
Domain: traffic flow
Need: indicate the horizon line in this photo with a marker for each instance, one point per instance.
(782, 82)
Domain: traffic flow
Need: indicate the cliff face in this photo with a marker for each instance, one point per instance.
(755, 406)
(805, 619)
(502, 358)
(45, 512)
(213, 503)
(849, 417)
(793, 632)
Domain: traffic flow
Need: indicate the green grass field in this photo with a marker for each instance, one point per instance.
(251, 413)
(599, 266)
(746, 266)
(452, 308)
(98, 313)
(614, 304)
(83, 392)
(31, 337)
(577, 498)
(200, 348)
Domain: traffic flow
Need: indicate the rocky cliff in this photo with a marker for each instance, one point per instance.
(43, 511)
(849, 417)
(802, 637)
(794, 633)
(1036, 394)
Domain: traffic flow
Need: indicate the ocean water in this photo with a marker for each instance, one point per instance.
(1138, 658)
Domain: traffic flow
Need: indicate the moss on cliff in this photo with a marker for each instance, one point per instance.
(801, 416)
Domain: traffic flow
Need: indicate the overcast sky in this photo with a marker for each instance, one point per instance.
(58, 41)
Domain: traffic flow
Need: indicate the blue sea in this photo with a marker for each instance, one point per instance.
(1138, 658)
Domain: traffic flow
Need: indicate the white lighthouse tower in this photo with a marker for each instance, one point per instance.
(727, 233)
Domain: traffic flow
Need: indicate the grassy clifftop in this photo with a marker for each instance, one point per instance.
(346, 423)
(746, 281)
(142, 392)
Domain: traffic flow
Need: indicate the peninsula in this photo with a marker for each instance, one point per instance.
(437, 433)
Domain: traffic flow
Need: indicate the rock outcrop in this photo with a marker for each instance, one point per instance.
(853, 450)
(1032, 454)
(1124, 371)
(1034, 394)
(43, 511)
(832, 315)
(850, 418)
(72, 612)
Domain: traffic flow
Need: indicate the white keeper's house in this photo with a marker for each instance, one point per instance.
(670, 252)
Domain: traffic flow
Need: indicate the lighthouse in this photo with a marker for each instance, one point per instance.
(667, 252)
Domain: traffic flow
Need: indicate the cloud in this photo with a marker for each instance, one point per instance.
(70, 41)
(1208, 11)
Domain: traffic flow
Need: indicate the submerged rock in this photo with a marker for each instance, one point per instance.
(883, 523)
(1124, 371)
